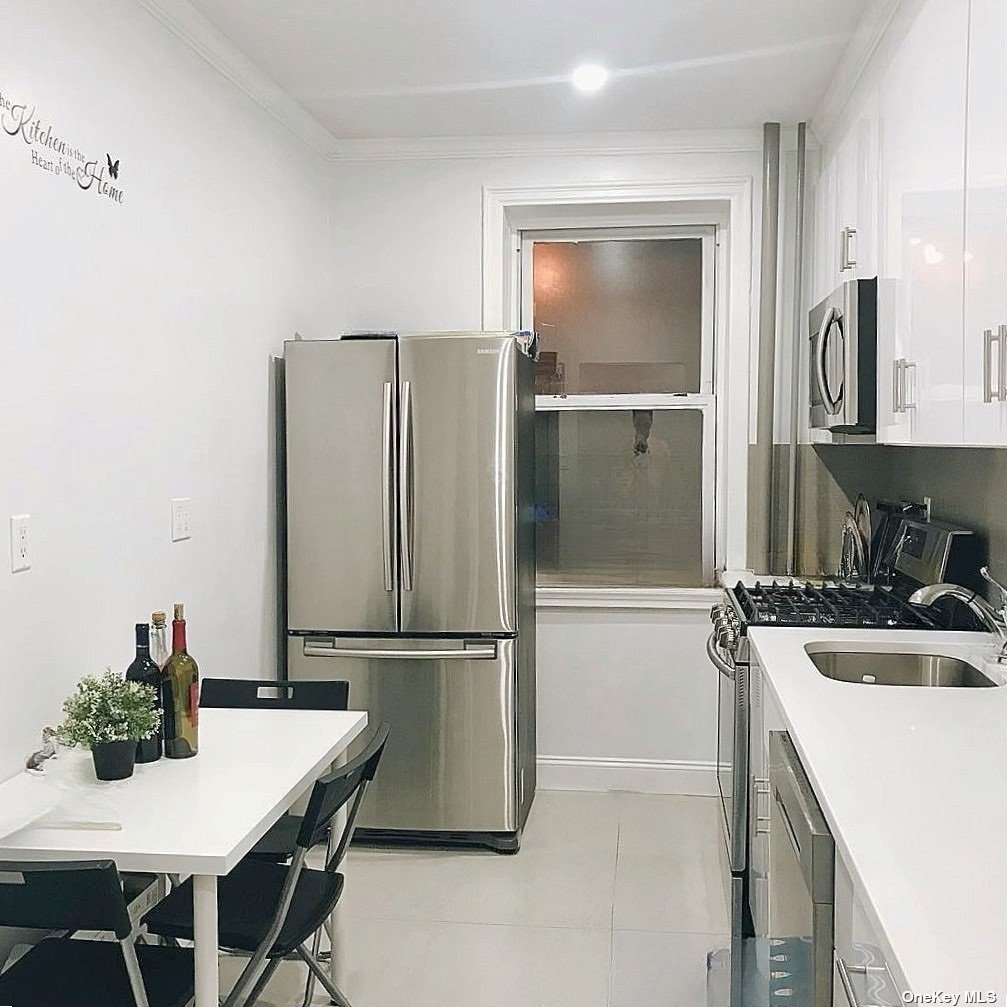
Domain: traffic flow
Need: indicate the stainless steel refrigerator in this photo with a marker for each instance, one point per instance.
(410, 568)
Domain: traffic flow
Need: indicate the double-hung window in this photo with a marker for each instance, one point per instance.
(625, 438)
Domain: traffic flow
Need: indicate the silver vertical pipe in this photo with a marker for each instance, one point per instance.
(796, 351)
(762, 491)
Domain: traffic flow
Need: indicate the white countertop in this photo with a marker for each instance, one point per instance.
(912, 782)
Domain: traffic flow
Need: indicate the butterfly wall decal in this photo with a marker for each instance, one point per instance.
(113, 166)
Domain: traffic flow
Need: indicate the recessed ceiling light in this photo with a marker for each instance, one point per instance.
(589, 77)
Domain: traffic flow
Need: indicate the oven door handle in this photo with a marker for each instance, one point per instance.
(718, 662)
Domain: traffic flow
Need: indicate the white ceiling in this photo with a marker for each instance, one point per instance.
(371, 69)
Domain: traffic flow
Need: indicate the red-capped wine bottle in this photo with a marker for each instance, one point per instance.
(180, 695)
(145, 671)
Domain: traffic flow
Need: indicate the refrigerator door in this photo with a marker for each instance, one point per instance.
(450, 764)
(457, 479)
(341, 486)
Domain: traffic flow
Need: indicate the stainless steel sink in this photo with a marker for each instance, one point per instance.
(880, 668)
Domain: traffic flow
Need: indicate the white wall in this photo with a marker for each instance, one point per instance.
(626, 698)
(135, 350)
(409, 254)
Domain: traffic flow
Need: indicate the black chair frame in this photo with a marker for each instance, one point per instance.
(272, 694)
(343, 788)
(78, 895)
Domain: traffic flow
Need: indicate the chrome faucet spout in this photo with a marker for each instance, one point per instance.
(994, 620)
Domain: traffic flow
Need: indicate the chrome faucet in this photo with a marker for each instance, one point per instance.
(994, 619)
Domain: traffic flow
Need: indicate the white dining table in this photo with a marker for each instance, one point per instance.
(197, 816)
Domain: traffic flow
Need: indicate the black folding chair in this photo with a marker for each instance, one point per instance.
(279, 842)
(270, 910)
(69, 972)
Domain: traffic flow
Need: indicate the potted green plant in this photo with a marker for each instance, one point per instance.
(109, 715)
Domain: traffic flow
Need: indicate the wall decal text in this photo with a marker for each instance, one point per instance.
(51, 152)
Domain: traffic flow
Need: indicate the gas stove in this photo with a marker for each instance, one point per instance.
(801, 603)
(925, 552)
(838, 605)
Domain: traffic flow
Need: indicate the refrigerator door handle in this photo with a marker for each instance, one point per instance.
(487, 653)
(387, 482)
(406, 466)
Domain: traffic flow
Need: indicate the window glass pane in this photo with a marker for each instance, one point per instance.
(618, 316)
(619, 498)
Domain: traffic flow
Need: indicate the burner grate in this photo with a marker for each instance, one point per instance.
(842, 606)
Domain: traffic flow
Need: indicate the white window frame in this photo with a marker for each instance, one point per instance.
(703, 401)
(684, 194)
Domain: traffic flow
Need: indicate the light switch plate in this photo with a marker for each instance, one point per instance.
(181, 519)
(20, 543)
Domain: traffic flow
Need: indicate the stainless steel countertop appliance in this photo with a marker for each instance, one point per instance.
(928, 552)
(410, 568)
(842, 345)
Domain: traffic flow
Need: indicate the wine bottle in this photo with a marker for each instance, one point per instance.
(159, 652)
(144, 670)
(180, 691)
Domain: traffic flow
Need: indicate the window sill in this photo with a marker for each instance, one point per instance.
(681, 598)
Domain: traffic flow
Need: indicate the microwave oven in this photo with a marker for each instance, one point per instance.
(843, 347)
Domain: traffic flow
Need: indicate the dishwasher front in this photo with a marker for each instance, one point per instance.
(794, 955)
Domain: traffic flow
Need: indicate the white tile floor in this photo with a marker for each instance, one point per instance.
(613, 901)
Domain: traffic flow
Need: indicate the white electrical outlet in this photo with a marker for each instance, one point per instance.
(20, 543)
(181, 519)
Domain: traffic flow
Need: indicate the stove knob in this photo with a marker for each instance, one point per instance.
(723, 630)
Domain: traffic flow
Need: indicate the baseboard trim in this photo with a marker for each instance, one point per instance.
(643, 776)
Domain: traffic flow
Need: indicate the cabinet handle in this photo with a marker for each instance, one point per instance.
(1000, 341)
(844, 971)
(901, 402)
(844, 978)
(907, 403)
(848, 248)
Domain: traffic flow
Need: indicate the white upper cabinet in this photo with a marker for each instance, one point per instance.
(920, 228)
(846, 201)
(985, 342)
(825, 266)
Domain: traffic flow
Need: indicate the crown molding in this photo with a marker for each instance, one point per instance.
(864, 44)
(466, 147)
(192, 28)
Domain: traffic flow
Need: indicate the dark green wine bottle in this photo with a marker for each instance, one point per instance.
(145, 671)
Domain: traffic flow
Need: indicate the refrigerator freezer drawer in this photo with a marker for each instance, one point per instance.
(451, 760)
